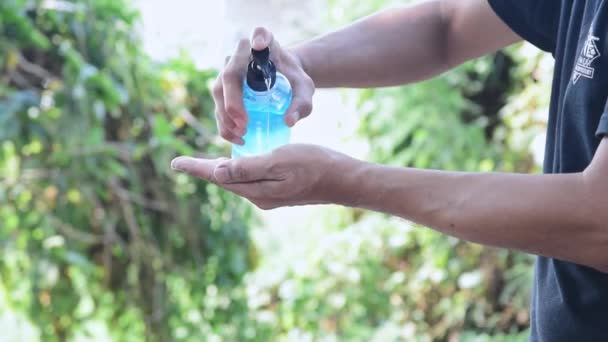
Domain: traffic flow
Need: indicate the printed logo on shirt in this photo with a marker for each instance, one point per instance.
(590, 53)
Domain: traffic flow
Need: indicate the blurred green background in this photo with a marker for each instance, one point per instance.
(99, 240)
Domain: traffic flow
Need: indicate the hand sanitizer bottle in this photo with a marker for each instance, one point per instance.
(266, 95)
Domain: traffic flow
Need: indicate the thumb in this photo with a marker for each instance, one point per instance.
(243, 170)
(261, 38)
(201, 168)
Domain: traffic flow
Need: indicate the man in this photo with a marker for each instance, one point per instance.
(561, 216)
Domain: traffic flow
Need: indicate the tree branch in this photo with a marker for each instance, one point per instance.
(73, 233)
(127, 195)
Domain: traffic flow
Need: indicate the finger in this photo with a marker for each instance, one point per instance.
(204, 169)
(261, 38)
(232, 80)
(226, 127)
(201, 168)
(226, 130)
(303, 87)
(301, 104)
(245, 170)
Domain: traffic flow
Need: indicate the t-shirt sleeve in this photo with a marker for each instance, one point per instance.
(536, 21)
(602, 127)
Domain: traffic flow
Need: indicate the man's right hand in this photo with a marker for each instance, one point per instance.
(227, 91)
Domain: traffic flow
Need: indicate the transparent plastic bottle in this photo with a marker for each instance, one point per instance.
(266, 95)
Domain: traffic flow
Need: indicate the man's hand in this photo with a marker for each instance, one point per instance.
(559, 215)
(291, 175)
(228, 95)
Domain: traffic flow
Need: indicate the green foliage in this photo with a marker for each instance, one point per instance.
(382, 279)
(95, 227)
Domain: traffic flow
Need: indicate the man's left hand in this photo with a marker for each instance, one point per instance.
(291, 175)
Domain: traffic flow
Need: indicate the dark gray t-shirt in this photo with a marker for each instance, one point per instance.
(570, 302)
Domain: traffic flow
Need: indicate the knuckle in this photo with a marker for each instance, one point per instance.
(306, 79)
(232, 109)
(241, 173)
(230, 75)
(218, 88)
(305, 108)
(309, 83)
(225, 133)
(238, 171)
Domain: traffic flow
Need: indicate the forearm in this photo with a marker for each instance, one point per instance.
(405, 44)
(395, 46)
(550, 215)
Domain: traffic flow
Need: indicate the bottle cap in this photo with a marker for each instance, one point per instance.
(261, 72)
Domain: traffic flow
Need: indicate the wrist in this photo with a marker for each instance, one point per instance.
(346, 181)
(299, 54)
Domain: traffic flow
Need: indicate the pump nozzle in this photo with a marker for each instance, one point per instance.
(262, 60)
(261, 73)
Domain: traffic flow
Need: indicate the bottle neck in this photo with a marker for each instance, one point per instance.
(261, 80)
(261, 71)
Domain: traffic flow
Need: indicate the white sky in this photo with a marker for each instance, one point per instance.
(169, 26)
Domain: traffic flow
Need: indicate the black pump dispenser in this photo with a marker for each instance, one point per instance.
(261, 72)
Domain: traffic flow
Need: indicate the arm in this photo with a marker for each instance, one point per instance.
(563, 216)
(405, 44)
